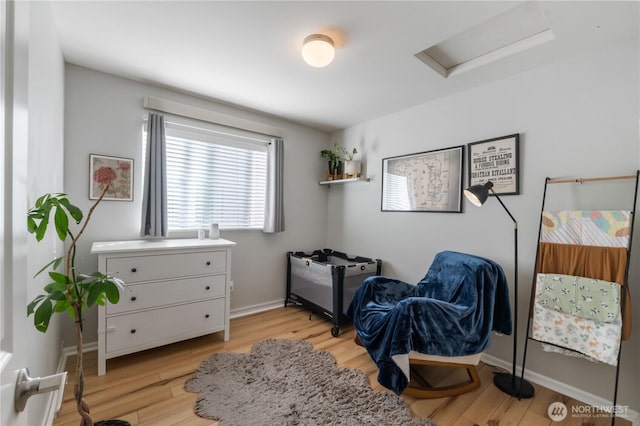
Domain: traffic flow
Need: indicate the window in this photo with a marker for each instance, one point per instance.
(214, 177)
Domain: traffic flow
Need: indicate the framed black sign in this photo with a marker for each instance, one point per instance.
(496, 160)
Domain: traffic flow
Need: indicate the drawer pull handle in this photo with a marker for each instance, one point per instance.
(133, 298)
(134, 269)
(207, 288)
(206, 316)
(208, 263)
(133, 331)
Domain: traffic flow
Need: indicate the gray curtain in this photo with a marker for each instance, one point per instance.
(154, 189)
(274, 203)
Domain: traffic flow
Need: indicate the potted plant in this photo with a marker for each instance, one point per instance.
(352, 168)
(334, 160)
(71, 291)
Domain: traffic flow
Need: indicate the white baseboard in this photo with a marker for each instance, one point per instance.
(254, 309)
(563, 388)
(72, 350)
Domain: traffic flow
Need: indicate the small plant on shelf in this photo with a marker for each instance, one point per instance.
(334, 160)
(352, 168)
(348, 155)
(335, 157)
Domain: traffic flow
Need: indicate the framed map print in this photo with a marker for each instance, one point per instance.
(429, 181)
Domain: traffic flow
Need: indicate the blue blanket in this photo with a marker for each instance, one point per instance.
(450, 312)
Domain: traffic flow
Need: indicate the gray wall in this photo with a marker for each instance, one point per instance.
(578, 117)
(104, 115)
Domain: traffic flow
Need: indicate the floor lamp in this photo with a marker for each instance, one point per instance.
(507, 382)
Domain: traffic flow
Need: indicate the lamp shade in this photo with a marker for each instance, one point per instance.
(478, 194)
(318, 50)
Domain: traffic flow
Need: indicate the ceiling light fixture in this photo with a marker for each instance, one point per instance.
(318, 50)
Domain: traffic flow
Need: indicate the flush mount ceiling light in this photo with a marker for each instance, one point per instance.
(318, 50)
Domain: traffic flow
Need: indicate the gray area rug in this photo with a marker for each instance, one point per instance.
(287, 382)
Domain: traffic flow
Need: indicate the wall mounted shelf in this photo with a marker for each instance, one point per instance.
(340, 181)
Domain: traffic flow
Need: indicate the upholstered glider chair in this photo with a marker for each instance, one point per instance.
(446, 320)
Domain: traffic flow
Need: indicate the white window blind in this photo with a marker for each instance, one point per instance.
(214, 178)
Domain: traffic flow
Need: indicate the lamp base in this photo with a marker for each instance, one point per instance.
(513, 385)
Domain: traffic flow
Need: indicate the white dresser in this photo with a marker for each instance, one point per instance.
(175, 290)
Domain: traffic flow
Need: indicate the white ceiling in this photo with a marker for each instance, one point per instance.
(248, 53)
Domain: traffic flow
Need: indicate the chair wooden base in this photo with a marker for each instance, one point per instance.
(419, 387)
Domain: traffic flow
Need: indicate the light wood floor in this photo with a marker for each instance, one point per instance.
(147, 388)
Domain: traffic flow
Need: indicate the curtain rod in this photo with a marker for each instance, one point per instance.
(583, 180)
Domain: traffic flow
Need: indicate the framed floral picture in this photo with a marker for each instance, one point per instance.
(114, 172)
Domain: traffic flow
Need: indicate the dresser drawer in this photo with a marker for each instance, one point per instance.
(157, 294)
(164, 266)
(164, 325)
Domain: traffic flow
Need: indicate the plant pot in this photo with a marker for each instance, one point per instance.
(335, 171)
(352, 169)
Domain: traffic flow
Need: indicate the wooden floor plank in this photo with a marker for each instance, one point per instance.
(511, 411)
(147, 388)
(170, 411)
(485, 405)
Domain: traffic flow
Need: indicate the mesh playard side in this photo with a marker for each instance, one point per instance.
(325, 280)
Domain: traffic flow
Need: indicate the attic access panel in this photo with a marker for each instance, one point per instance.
(511, 32)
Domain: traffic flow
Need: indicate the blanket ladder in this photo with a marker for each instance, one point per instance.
(624, 285)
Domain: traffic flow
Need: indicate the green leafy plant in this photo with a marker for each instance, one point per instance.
(332, 155)
(335, 155)
(348, 155)
(70, 291)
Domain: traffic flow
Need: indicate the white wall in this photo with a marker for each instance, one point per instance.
(578, 117)
(44, 175)
(103, 115)
(32, 164)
